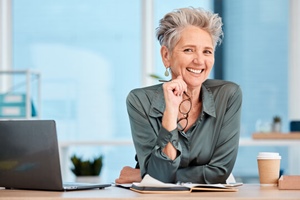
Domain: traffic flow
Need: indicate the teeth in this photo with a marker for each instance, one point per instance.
(195, 71)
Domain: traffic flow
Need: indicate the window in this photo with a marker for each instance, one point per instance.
(256, 57)
(88, 53)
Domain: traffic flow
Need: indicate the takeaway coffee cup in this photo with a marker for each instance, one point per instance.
(268, 168)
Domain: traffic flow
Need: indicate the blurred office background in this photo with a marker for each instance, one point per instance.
(91, 53)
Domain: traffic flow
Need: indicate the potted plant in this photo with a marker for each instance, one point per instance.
(87, 170)
(276, 126)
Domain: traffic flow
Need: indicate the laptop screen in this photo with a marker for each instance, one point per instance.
(29, 156)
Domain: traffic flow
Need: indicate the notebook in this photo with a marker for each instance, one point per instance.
(29, 157)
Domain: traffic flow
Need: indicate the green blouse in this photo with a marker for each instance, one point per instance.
(206, 152)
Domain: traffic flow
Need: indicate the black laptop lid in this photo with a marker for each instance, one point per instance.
(29, 157)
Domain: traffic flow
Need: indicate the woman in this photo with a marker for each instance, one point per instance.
(186, 129)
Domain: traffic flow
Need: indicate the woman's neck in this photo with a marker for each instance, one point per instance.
(194, 94)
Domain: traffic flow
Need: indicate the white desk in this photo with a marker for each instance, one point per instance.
(246, 192)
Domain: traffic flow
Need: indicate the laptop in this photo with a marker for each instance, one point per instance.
(29, 157)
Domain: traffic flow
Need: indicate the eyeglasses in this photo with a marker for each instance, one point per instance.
(183, 121)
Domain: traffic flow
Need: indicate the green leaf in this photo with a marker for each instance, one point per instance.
(86, 167)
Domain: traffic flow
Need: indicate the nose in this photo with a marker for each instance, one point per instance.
(199, 58)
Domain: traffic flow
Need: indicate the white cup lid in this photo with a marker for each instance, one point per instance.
(268, 155)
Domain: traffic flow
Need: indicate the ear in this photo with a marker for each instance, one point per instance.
(165, 55)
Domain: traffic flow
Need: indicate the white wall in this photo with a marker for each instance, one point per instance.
(294, 75)
(5, 41)
(294, 61)
(147, 42)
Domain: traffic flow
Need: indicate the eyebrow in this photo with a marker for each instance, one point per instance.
(211, 48)
(195, 46)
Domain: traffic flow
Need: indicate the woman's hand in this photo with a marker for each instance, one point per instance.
(173, 92)
(129, 175)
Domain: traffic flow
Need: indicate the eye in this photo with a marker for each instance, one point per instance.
(208, 52)
(188, 50)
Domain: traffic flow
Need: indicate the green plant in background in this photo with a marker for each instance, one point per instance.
(87, 167)
(276, 119)
(276, 126)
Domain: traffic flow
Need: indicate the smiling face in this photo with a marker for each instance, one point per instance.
(192, 57)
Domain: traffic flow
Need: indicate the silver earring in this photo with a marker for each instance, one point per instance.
(167, 72)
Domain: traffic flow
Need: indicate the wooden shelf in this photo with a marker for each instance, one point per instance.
(276, 136)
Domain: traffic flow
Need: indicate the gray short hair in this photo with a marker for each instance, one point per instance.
(171, 25)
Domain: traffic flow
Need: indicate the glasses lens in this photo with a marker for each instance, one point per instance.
(184, 108)
(182, 123)
(188, 105)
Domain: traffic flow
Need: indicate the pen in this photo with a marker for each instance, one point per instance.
(164, 81)
(183, 183)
